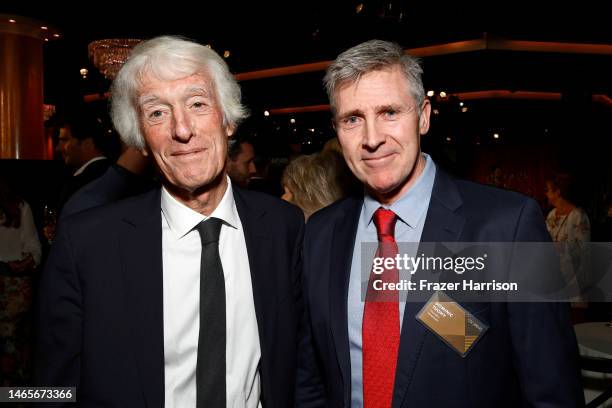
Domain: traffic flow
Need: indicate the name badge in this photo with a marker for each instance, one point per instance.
(451, 322)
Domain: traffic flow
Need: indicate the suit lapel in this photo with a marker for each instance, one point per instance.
(442, 224)
(343, 241)
(141, 259)
(259, 247)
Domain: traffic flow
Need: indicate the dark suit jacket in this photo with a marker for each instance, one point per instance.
(115, 184)
(74, 183)
(101, 309)
(528, 355)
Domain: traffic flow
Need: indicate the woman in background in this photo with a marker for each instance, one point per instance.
(20, 253)
(569, 226)
(315, 181)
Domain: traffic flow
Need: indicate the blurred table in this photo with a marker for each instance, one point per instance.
(595, 345)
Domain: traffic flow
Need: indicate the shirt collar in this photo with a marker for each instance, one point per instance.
(412, 205)
(83, 167)
(182, 219)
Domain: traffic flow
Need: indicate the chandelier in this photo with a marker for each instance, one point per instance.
(109, 55)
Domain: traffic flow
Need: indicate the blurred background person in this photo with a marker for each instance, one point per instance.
(20, 253)
(569, 226)
(333, 145)
(130, 175)
(267, 177)
(313, 182)
(86, 147)
(240, 161)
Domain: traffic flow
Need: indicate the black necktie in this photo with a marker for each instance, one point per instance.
(210, 369)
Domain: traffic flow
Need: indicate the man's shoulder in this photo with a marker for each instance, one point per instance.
(485, 190)
(482, 198)
(105, 216)
(259, 201)
(499, 214)
(327, 216)
(96, 168)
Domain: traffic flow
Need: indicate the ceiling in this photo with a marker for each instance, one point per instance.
(262, 35)
(271, 34)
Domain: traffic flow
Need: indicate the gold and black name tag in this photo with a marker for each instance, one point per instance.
(452, 323)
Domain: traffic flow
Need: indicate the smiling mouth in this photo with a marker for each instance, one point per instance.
(378, 160)
(188, 153)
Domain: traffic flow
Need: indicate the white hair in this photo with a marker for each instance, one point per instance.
(170, 58)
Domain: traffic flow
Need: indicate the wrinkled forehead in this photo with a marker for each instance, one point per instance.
(374, 88)
(388, 76)
(152, 87)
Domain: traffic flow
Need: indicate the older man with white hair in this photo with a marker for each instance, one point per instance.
(186, 295)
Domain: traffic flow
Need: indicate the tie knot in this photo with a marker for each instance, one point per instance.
(384, 220)
(209, 230)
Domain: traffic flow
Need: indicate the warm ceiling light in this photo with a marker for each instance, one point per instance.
(359, 8)
(109, 55)
(226, 54)
(442, 94)
(495, 135)
(448, 139)
(84, 72)
(464, 109)
(460, 103)
(46, 39)
(430, 93)
(12, 20)
(56, 35)
(266, 113)
(292, 120)
(436, 112)
(44, 27)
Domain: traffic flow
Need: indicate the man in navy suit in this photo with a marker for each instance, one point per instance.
(362, 353)
(84, 145)
(187, 295)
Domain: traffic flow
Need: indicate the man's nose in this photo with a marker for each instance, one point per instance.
(182, 126)
(373, 135)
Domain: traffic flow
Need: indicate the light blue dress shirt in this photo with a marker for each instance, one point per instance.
(411, 210)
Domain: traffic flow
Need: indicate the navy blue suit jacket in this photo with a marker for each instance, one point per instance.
(101, 307)
(115, 184)
(528, 356)
(74, 183)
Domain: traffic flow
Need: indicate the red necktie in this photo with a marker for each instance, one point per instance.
(381, 328)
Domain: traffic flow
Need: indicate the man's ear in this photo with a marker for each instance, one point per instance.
(229, 130)
(87, 144)
(424, 117)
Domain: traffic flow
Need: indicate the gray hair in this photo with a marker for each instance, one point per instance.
(371, 56)
(170, 58)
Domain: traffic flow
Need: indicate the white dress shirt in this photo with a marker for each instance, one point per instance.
(181, 287)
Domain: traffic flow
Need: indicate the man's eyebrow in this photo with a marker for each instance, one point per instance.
(147, 99)
(189, 92)
(354, 112)
(388, 107)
